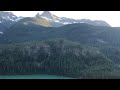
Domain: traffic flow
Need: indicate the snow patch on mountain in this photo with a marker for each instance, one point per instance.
(25, 23)
(1, 32)
(46, 18)
(10, 19)
(67, 23)
(18, 19)
(101, 41)
(57, 21)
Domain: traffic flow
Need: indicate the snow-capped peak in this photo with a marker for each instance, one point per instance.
(8, 19)
(8, 16)
(49, 16)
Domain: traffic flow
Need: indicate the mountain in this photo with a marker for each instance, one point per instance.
(31, 28)
(33, 21)
(63, 20)
(43, 44)
(47, 19)
(106, 39)
(53, 19)
(36, 21)
(7, 19)
(28, 29)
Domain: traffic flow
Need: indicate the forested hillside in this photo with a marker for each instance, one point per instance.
(55, 57)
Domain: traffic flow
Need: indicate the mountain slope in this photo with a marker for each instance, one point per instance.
(35, 20)
(2, 27)
(84, 33)
(106, 39)
(97, 56)
(55, 57)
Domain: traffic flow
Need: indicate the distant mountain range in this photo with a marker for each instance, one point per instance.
(47, 19)
(63, 20)
(7, 19)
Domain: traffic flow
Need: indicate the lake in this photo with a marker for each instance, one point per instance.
(33, 77)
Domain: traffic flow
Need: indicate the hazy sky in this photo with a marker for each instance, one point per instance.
(112, 17)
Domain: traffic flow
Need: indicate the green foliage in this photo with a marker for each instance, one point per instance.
(55, 57)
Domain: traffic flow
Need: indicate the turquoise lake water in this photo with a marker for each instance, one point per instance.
(33, 77)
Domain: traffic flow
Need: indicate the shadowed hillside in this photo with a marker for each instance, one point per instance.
(55, 57)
